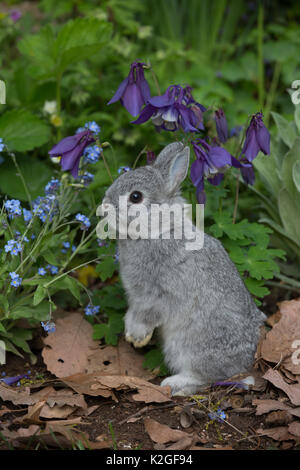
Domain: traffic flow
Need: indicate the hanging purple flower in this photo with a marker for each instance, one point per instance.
(134, 91)
(221, 125)
(257, 138)
(170, 111)
(211, 162)
(71, 149)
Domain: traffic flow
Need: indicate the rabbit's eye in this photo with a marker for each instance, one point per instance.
(136, 197)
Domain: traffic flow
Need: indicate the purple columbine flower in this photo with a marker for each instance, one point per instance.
(174, 109)
(134, 91)
(257, 138)
(71, 149)
(221, 125)
(211, 162)
(15, 15)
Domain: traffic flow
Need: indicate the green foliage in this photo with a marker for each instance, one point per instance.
(247, 245)
(51, 54)
(22, 130)
(154, 360)
(281, 194)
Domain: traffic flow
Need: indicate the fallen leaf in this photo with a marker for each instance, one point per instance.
(104, 385)
(56, 411)
(265, 406)
(294, 428)
(182, 444)
(18, 396)
(292, 390)
(278, 344)
(122, 359)
(67, 349)
(161, 433)
(278, 418)
(279, 433)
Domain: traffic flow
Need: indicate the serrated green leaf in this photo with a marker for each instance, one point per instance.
(21, 130)
(110, 330)
(106, 268)
(39, 49)
(256, 287)
(154, 359)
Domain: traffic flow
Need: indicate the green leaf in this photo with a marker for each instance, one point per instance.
(39, 49)
(292, 157)
(286, 129)
(39, 295)
(32, 314)
(256, 287)
(297, 117)
(35, 173)
(22, 130)
(154, 359)
(106, 268)
(49, 256)
(266, 166)
(296, 175)
(290, 214)
(224, 225)
(109, 331)
(79, 39)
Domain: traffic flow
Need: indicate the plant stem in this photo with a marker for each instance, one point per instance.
(21, 176)
(138, 157)
(260, 57)
(70, 270)
(107, 167)
(237, 190)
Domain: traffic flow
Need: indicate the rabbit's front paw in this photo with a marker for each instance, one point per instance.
(183, 384)
(139, 338)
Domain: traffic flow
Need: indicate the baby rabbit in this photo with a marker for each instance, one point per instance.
(208, 322)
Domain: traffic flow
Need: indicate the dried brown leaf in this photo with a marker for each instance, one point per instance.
(278, 344)
(161, 433)
(66, 350)
(104, 385)
(294, 428)
(265, 406)
(122, 359)
(278, 418)
(292, 390)
(280, 433)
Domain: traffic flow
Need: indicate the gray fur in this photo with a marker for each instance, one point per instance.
(208, 322)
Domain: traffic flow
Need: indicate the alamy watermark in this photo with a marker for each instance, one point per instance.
(296, 354)
(154, 221)
(2, 353)
(295, 96)
(2, 92)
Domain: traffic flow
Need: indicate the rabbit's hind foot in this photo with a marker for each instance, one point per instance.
(184, 384)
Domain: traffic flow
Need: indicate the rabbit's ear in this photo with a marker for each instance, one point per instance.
(173, 163)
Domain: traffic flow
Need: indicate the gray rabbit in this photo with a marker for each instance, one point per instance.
(208, 322)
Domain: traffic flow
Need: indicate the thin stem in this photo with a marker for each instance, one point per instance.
(139, 156)
(272, 91)
(107, 167)
(70, 270)
(155, 80)
(237, 190)
(260, 58)
(21, 176)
